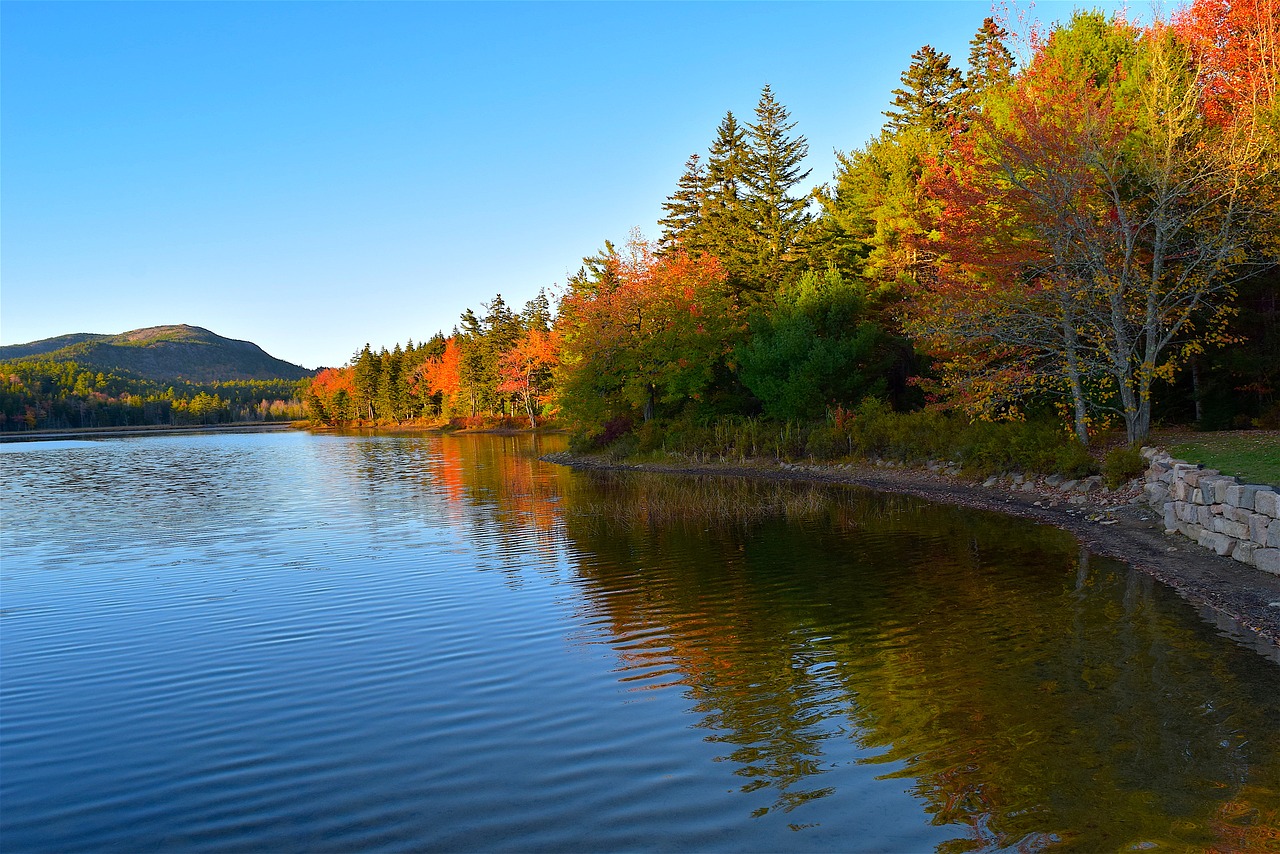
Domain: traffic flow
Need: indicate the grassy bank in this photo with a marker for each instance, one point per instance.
(1254, 457)
(873, 432)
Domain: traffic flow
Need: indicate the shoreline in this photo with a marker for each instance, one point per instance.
(142, 430)
(1236, 598)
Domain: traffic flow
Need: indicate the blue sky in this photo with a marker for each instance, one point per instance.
(314, 176)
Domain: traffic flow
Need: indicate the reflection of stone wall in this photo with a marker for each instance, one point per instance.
(1217, 511)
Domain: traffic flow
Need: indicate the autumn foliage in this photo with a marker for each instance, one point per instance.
(651, 331)
(1060, 241)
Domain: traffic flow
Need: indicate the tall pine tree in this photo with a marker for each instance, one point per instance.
(927, 98)
(773, 170)
(682, 226)
(727, 232)
(991, 63)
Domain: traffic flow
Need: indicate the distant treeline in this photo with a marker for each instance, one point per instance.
(498, 363)
(37, 394)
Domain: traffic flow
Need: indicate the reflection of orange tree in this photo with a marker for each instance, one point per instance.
(1018, 690)
(501, 473)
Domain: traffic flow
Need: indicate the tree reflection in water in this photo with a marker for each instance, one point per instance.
(1028, 693)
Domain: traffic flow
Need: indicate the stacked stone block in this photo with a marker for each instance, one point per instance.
(1217, 511)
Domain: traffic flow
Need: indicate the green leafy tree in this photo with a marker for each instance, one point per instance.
(816, 348)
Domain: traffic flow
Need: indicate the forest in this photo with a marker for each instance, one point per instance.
(1077, 231)
(47, 394)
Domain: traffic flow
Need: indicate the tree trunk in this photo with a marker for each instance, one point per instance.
(1196, 395)
(1080, 410)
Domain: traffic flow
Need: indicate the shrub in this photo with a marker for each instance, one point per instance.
(827, 442)
(1122, 465)
(1073, 460)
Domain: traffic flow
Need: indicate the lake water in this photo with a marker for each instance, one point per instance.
(290, 642)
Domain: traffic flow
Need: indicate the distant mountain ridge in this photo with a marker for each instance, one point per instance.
(163, 354)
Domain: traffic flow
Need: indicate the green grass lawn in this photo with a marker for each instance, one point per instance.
(1254, 457)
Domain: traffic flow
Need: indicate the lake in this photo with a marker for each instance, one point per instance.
(294, 642)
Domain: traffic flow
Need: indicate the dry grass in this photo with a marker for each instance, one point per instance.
(638, 499)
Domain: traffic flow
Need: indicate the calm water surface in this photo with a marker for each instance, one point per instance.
(295, 642)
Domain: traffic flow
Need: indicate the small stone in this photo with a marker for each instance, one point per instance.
(1222, 544)
(1053, 480)
(1233, 529)
(1243, 552)
(1155, 493)
(1267, 560)
(990, 482)
(1067, 485)
(1268, 503)
(1241, 495)
(1258, 525)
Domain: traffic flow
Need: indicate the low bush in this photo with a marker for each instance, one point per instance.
(827, 442)
(1122, 465)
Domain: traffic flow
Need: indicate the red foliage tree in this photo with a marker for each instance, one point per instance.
(525, 369)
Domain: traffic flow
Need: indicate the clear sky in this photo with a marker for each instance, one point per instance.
(314, 176)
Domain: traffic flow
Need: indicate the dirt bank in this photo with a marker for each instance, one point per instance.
(1241, 600)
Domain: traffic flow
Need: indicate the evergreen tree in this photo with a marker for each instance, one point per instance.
(727, 232)
(367, 370)
(471, 367)
(990, 62)
(682, 224)
(772, 172)
(927, 99)
(598, 272)
(537, 313)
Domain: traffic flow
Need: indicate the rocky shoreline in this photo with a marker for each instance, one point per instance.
(1239, 600)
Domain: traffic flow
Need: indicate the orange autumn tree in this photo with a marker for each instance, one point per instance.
(332, 396)
(1004, 316)
(440, 375)
(1237, 48)
(645, 332)
(1094, 224)
(525, 369)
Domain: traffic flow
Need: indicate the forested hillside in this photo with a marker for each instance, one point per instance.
(158, 375)
(162, 353)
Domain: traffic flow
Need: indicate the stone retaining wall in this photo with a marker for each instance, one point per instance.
(1217, 511)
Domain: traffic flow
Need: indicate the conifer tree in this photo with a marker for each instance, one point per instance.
(682, 224)
(725, 218)
(773, 170)
(990, 62)
(367, 369)
(927, 97)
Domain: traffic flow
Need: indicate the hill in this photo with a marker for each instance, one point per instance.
(163, 354)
